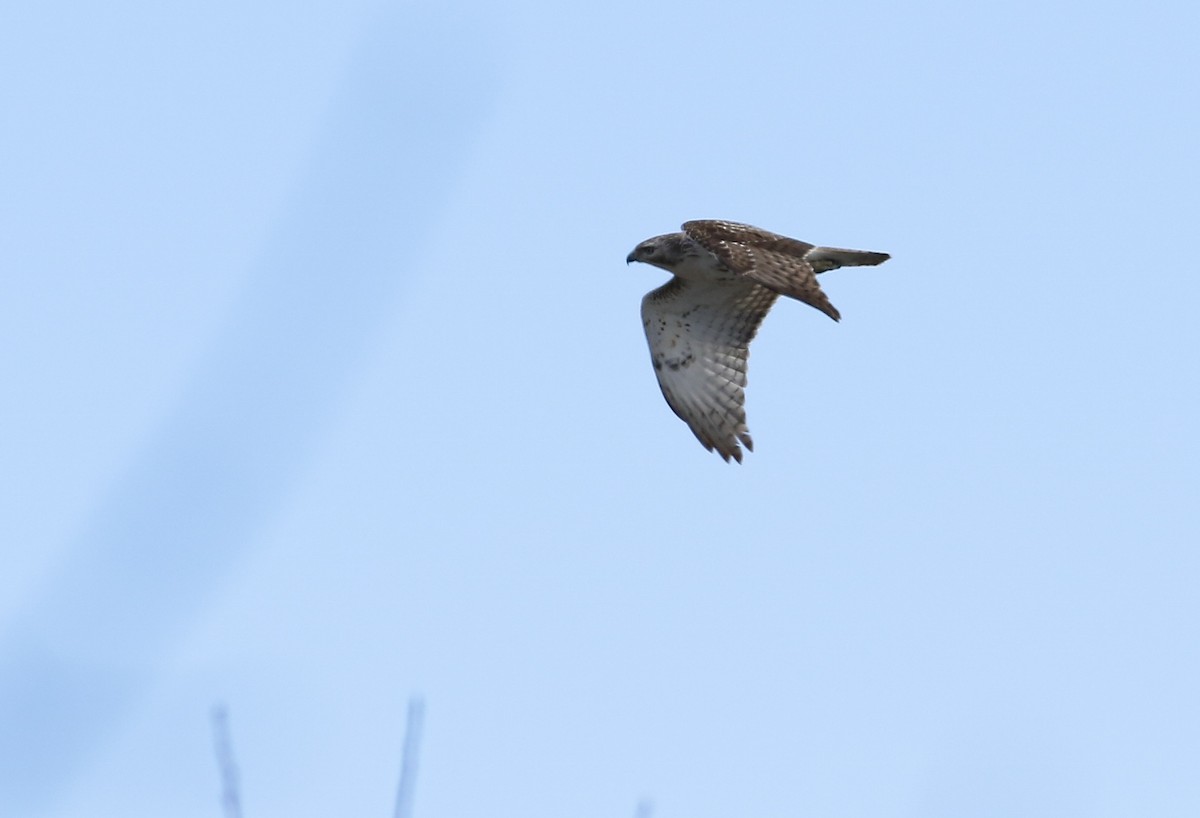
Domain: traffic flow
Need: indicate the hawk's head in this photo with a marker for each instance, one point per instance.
(664, 251)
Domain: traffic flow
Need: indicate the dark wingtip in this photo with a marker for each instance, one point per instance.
(734, 454)
(747, 442)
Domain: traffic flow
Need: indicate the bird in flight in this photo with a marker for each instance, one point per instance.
(725, 277)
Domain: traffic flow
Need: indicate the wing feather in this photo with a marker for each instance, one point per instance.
(699, 335)
(774, 261)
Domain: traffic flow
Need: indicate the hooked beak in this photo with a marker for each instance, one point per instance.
(632, 257)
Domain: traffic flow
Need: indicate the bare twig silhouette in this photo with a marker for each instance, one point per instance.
(408, 764)
(231, 801)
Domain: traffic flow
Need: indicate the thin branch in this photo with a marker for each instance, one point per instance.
(231, 800)
(408, 764)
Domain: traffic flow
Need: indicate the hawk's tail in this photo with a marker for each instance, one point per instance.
(830, 258)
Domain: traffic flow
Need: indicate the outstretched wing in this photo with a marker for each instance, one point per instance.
(774, 261)
(699, 335)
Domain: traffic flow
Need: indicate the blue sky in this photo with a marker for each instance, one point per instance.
(326, 387)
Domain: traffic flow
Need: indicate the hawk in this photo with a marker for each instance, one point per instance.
(725, 277)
